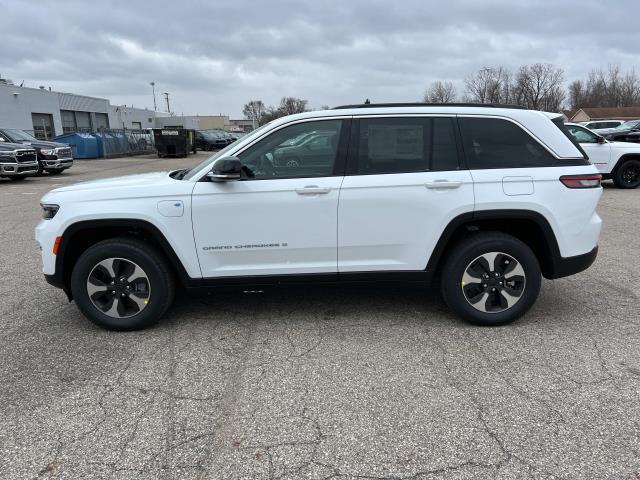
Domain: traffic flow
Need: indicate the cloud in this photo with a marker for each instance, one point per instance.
(214, 56)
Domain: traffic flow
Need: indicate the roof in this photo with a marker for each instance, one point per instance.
(424, 104)
(604, 113)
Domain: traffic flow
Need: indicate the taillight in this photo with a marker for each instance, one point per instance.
(581, 181)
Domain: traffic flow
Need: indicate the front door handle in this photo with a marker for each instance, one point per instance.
(443, 184)
(312, 190)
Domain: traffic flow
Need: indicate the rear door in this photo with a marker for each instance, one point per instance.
(404, 184)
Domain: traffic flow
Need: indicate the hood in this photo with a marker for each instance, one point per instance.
(4, 146)
(43, 144)
(127, 182)
(625, 145)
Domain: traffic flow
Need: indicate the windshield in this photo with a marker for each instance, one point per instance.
(198, 168)
(19, 135)
(627, 125)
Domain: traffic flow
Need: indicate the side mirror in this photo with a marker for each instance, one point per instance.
(601, 139)
(225, 169)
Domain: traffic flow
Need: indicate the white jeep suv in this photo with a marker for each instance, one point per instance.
(618, 161)
(488, 198)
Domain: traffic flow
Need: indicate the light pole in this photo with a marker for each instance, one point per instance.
(166, 96)
(153, 89)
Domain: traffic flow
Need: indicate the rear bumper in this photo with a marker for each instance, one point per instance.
(565, 266)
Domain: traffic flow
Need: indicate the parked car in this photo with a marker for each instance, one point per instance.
(619, 161)
(601, 124)
(236, 135)
(17, 161)
(623, 133)
(315, 148)
(53, 157)
(488, 200)
(208, 140)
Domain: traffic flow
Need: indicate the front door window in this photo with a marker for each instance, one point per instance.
(302, 150)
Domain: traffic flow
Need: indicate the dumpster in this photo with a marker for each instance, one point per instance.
(174, 141)
(83, 145)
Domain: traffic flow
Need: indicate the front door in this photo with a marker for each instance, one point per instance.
(279, 218)
(404, 185)
(599, 153)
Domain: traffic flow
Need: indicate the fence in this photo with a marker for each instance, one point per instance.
(119, 142)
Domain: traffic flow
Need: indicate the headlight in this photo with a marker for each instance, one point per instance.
(48, 152)
(49, 210)
(6, 154)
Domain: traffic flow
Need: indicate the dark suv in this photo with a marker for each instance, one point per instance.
(210, 140)
(53, 157)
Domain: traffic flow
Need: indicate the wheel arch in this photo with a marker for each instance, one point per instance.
(529, 226)
(79, 236)
(624, 158)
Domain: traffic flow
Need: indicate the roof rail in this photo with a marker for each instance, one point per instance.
(382, 105)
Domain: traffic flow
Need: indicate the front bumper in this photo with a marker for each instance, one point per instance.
(56, 163)
(13, 169)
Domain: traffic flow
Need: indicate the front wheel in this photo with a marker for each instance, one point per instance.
(491, 279)
(627, 175)
(17, 179)
(56, 171)
(122, 284)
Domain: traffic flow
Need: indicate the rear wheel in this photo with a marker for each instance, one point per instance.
(122, 284)
(17, 179)
(627, 175)
(491, 279)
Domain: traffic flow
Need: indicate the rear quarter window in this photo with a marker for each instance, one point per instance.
(498, 143)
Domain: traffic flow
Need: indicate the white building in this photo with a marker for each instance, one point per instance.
(49, 113)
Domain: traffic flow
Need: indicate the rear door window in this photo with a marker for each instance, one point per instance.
(405, 145)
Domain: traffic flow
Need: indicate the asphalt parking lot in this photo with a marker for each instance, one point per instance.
(319, 383)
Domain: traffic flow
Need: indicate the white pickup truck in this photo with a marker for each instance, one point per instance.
(618, 161)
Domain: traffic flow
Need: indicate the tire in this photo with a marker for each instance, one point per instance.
(159, 155)
(292, 162)
(486, 302)
(56, 171)
(133, 311)
(17, 179)
(627, 175)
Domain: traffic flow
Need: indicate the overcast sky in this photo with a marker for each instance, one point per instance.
(213, 56)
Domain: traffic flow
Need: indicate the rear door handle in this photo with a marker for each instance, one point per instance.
(312, 190)
(443, 184)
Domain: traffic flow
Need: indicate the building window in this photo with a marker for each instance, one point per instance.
(83, 121)
(68, 121)
(102, 121)
(136, 125)
(42, 126)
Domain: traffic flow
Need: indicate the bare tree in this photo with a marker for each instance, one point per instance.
(288, 106)
(608, 88)
(540, 87)
(630, 90)
(577, 95)
(291, 105)
(489, 85)
(254, 110)
(440, 92)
